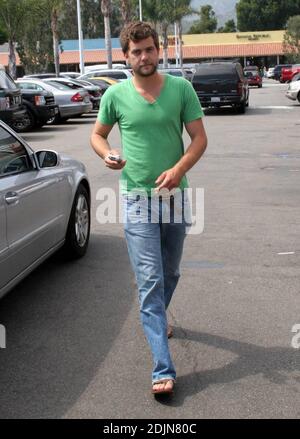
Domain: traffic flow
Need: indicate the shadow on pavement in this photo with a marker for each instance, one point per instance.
(227, 111)
(271, 363)
(61, 322)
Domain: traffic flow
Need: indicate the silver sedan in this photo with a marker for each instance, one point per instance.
(71, 103)
(44, 207)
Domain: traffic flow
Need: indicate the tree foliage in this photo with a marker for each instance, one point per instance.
(292, 39)
(228, 27)
(257, 15)
(207, 23)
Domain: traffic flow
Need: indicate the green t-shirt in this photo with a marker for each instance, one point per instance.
(151, 133)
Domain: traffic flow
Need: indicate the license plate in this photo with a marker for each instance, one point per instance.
(87, 99)
(55, 110)
(215, 99)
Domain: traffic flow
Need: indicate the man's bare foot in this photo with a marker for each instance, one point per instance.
(163, 386)
(170, 331)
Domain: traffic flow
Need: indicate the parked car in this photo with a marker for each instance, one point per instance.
(93, 90)
(101, 83)
(254, 79)
(189, 73)
(121, 74)
(104, 67)
(70, 103)
(174, 72)
(72, 75)
(278, 68)
(296, 77)
(44, 206)
(221, 84)
(39, 76)
(40, 106)
(12, 110)
(270, 73)
(253, 69)
(293, 91)
(106, 79)
(287, 74)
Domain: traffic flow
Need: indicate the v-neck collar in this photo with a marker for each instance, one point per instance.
(157, 98)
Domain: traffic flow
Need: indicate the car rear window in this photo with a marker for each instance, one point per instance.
(57, 85)
(223, 71)
(6, 82)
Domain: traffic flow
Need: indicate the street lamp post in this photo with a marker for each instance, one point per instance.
(140, 9)
(80, 38)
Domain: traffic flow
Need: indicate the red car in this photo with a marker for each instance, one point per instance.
(254, 78)
(288, 73)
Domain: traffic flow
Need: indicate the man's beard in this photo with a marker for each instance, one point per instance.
(139, 71)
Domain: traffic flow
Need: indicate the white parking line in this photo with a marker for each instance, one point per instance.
(273, 107)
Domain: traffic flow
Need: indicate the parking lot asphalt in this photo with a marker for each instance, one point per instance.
(75, 347)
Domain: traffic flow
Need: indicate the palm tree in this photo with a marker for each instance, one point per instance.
(106, 11)
(182, 9)
(54, 8)
(12, 15)
(126, 6)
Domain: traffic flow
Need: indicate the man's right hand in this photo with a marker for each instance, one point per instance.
(112, 164)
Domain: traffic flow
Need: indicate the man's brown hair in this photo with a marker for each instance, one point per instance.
(137, 31)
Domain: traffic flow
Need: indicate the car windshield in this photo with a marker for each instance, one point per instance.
(296, 77)
(6, 81)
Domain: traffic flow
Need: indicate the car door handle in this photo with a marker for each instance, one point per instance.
(12, 198)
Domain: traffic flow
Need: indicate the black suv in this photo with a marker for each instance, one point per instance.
(220, 84)
(40, 105)
(12, 111)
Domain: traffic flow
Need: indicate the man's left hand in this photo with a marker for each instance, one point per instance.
(169, 179)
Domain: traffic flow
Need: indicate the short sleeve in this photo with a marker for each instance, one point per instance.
(107, 114)
(192, 109)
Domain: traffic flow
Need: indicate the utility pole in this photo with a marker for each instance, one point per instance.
(140, 9)
(80, 38)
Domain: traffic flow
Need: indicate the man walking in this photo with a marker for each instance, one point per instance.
(151, 110)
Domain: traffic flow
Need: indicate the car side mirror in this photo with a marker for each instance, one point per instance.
(47, 159)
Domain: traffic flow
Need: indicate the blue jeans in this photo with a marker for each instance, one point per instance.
(155, 244)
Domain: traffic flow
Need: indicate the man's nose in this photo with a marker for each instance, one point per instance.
(144, 55)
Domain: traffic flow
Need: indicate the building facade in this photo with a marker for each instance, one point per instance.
(260, 48)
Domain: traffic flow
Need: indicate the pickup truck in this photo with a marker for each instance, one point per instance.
(220, 84)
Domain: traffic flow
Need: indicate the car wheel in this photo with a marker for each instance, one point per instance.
(54, 120)
(298, 97)
(241, 109)
(78, 232)
(22, 125)
(32, 120)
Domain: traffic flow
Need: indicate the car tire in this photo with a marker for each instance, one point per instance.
(22, 125)
(78, 231)
(32, 120)
(298, 97)
(241, 108)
